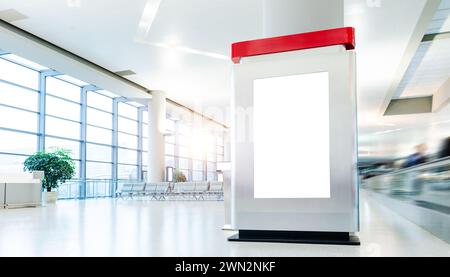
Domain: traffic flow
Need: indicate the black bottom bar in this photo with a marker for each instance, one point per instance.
(296, 237)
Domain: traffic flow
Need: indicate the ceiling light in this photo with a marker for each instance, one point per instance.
(147, 18)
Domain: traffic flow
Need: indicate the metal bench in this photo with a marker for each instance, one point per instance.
(162, 190)
(127, 189)
(201, 190)
(185, 190)
(216, 189)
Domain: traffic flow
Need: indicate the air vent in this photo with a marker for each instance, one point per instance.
(11, 15)
(436, 36)
(414, 105)
(125, 73)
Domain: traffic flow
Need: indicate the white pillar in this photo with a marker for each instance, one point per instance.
(286, 17)
(156, 129)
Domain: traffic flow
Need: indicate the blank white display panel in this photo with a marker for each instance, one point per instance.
(291, 136)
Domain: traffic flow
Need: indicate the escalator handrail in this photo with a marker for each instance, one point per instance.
(420, 167)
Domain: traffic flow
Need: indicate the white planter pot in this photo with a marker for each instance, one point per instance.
(51, 197)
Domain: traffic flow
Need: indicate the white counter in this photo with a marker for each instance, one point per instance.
(19, 190)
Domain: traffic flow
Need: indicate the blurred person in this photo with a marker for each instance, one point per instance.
(418, 157)
(445, 149)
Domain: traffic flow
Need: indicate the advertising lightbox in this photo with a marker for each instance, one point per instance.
(293, 138)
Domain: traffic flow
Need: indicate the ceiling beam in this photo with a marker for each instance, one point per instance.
(425, 18)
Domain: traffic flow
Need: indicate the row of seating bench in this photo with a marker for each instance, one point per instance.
(206, 190)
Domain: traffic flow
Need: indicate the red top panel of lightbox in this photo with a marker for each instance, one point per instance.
(341, 36)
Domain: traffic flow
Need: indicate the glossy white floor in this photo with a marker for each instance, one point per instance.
(143, 228)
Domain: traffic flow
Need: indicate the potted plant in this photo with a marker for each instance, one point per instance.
(178, 176)
(58, 167)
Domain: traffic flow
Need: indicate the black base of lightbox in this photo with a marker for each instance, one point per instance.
(336, 238)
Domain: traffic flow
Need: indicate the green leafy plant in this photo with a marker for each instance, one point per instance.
(57, 165)
(178, 176)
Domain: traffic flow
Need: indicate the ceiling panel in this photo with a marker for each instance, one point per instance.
(441, 20)
(428, 70)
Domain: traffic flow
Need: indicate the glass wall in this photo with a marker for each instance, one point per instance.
(193, 150)
(41, 109)
(19, 94)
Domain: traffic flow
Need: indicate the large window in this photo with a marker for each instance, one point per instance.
(107, 136)
(14, 118)
(97, 152)
(99, 118)
(17, 143)
(63, 89)
(98, 170)
(62, 108)
(194, 151)
(19, 75)
(99, 101)
(62, 128)
(99, 143)
(72, 145)
(14, 96)
(18, 114)
(99, 135)
(11, 163)
(128, 141)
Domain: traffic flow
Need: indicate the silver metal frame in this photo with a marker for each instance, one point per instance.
(340, 213)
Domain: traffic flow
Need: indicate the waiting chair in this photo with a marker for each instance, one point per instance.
(216, 189)
(201, 190)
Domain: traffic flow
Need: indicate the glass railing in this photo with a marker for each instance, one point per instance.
(94, 188)
(69, 190)
(99, 188)
(426, 185)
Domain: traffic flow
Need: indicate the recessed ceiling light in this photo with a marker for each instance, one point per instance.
(11, 15)
(147, 18)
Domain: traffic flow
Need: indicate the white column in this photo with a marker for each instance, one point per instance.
(156, 147)
(286, 17)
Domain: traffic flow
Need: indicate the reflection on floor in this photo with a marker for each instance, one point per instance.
(108, 227)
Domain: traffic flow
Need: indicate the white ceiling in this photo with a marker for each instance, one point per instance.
(105, 32)
(428, 70)
(430, 67)
(441, 20)
(185, 50)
